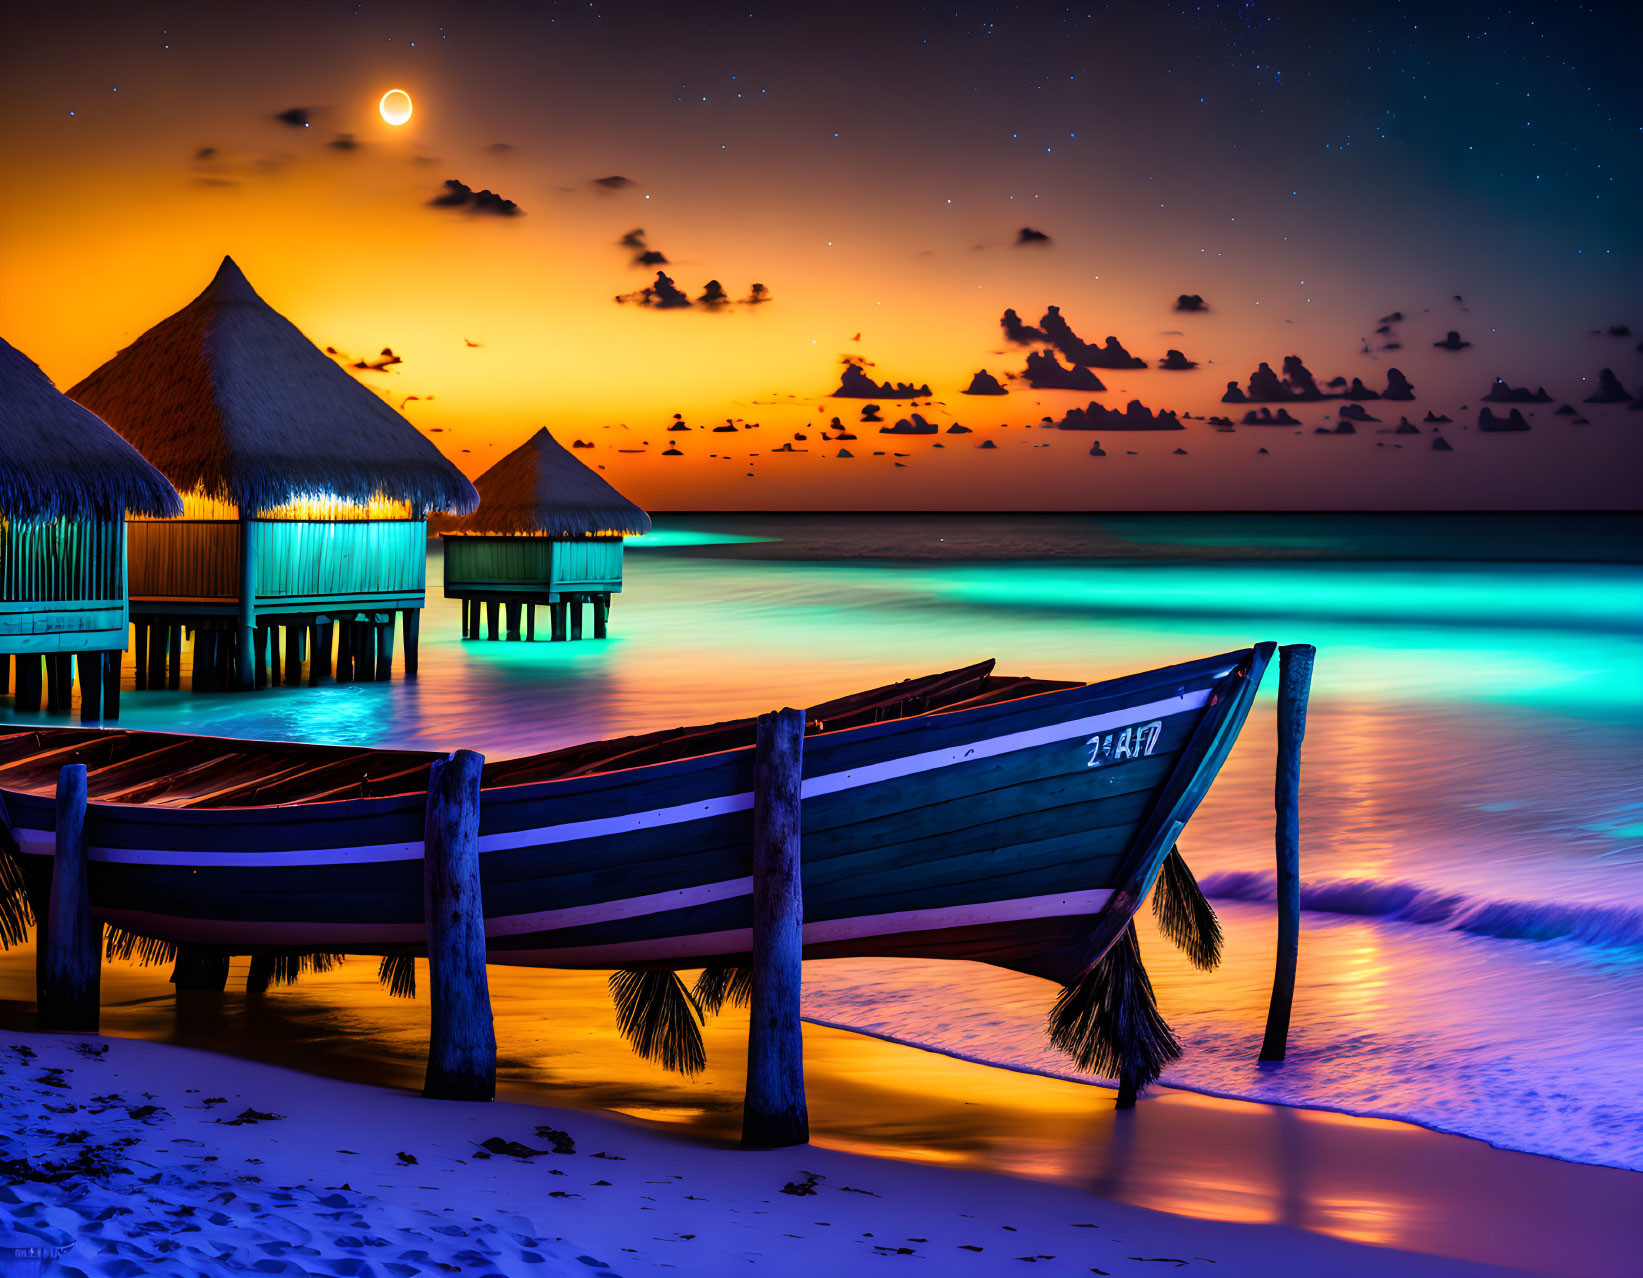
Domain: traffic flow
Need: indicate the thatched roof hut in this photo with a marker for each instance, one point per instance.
(60, 461)
(542, 489)
(228, 398)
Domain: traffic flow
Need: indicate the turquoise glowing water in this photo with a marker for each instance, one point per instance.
(1473, 837)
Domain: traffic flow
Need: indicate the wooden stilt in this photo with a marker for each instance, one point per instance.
(248, 601)
(260, 974)
(200, 967)
(274, 657)
(513, 620)
(411, 624)
(113, 661)
(462, 1035)
(293, 655)
(223, 644)
(774, 1112)
(493, 618)
(601, 615)
(156, 656)
(345, 651)
(91, 687)
(385, 648)
(259, 657)
(5, 673)
(556, 619)
(139, 654)
(27, 697)
(59, 682)
(69, 979)
(530, 623)
(1294, 684)
(174, 657)
(320, 661)
(465, 610)
(575, 605)
(365, 654)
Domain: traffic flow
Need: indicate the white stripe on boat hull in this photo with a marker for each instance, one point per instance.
(661, 949)
(40, 842)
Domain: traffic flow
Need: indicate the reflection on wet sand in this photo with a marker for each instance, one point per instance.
(1368, 1180)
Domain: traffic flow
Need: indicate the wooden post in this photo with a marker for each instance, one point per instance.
(319, 653)
(5, 673)
(260, 974)
(411, 623)
(530, 623)
(274, 656)
(91, 687)
(512, 620)
(575, 604)
(462, 1036)
(1294, 683)
(493, 618)
(385, 648)
(601, 615)
(113, 660)
(463, 602)
(293, 655)
(556, 617)
(259, 661)
(59, 682)
(156, 656)
(248, 602)
(69, 984)
(200, 967)
(27, 697)
(174, 657)
(774, 1111)
(345, 651)
(365, 651)
(139, 654)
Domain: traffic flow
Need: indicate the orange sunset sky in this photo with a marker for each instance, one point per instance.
(138, 159)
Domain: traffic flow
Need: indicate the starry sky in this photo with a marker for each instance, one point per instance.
(894, 177)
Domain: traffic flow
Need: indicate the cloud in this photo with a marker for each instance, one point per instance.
(757, 294)
(458, 195)
(1452, 342)
(1609, 390)
(1501, 393)
(651, 257)
(296, 117)
(664, 295)
(914, 426)
(1177, 362)
(855, 384)
(1397, 386)
(1019, 333)
(498, 148)
(1135, 416)
(1191, 302)
(984, 383)
(1110, 355)
(1045, 372)
(1027, 236)
(1266, 387)
(1359, 391)
(615, 182)
(1356, 413)
(713, 295)
(1487, 421)
(1266, 417)
(343, 142)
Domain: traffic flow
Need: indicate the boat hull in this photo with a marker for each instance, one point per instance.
(1019, 833)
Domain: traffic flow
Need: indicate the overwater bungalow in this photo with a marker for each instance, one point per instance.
(67, 483)
(548, 530)
(305, 499)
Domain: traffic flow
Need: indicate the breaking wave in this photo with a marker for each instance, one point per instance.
(1580, 922)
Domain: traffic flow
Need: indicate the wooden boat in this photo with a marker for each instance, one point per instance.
(966, 815)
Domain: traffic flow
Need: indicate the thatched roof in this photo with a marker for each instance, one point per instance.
(228, 397)
(542, 488)
(58, 460)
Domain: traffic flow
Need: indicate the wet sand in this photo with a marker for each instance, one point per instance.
(1371, 1181)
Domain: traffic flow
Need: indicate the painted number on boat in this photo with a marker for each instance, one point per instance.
(1132, 743)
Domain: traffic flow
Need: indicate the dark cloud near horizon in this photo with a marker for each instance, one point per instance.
(1028, 236)
(855, 384)
(663, 295)
(344, 142)
(615, 182)
(459, 195)
(295, 117)
(1190, 302)
(1045, 372)
(1175, 362)
(1109, 355)
(1135, 416)
(499, 148)
(1019, 333)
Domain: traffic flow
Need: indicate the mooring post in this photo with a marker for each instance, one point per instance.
(530, 624)
(556, 622)
(493, 619)
(574, 605)
(411, 621)
(90, 666)
(27, 697)
(139, 654)
(174, 657)
(774, 1113)
(512, 621)
(462, 1036)
(385, 648)
(1294, 684)
(601, 615)
(200, 967)
(69, 985)
(5, 673)
(260, 974)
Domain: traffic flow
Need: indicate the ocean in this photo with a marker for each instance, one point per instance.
(1472, 821)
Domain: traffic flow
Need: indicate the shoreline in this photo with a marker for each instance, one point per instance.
(239, 1161)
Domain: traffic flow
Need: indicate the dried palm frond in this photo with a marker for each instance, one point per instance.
(659, 1019)
(1185, 915)
(1109, 1024)
(717, 986)
(398, 974)
(150, 951)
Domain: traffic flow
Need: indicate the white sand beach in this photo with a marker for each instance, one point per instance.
(135, 1158)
